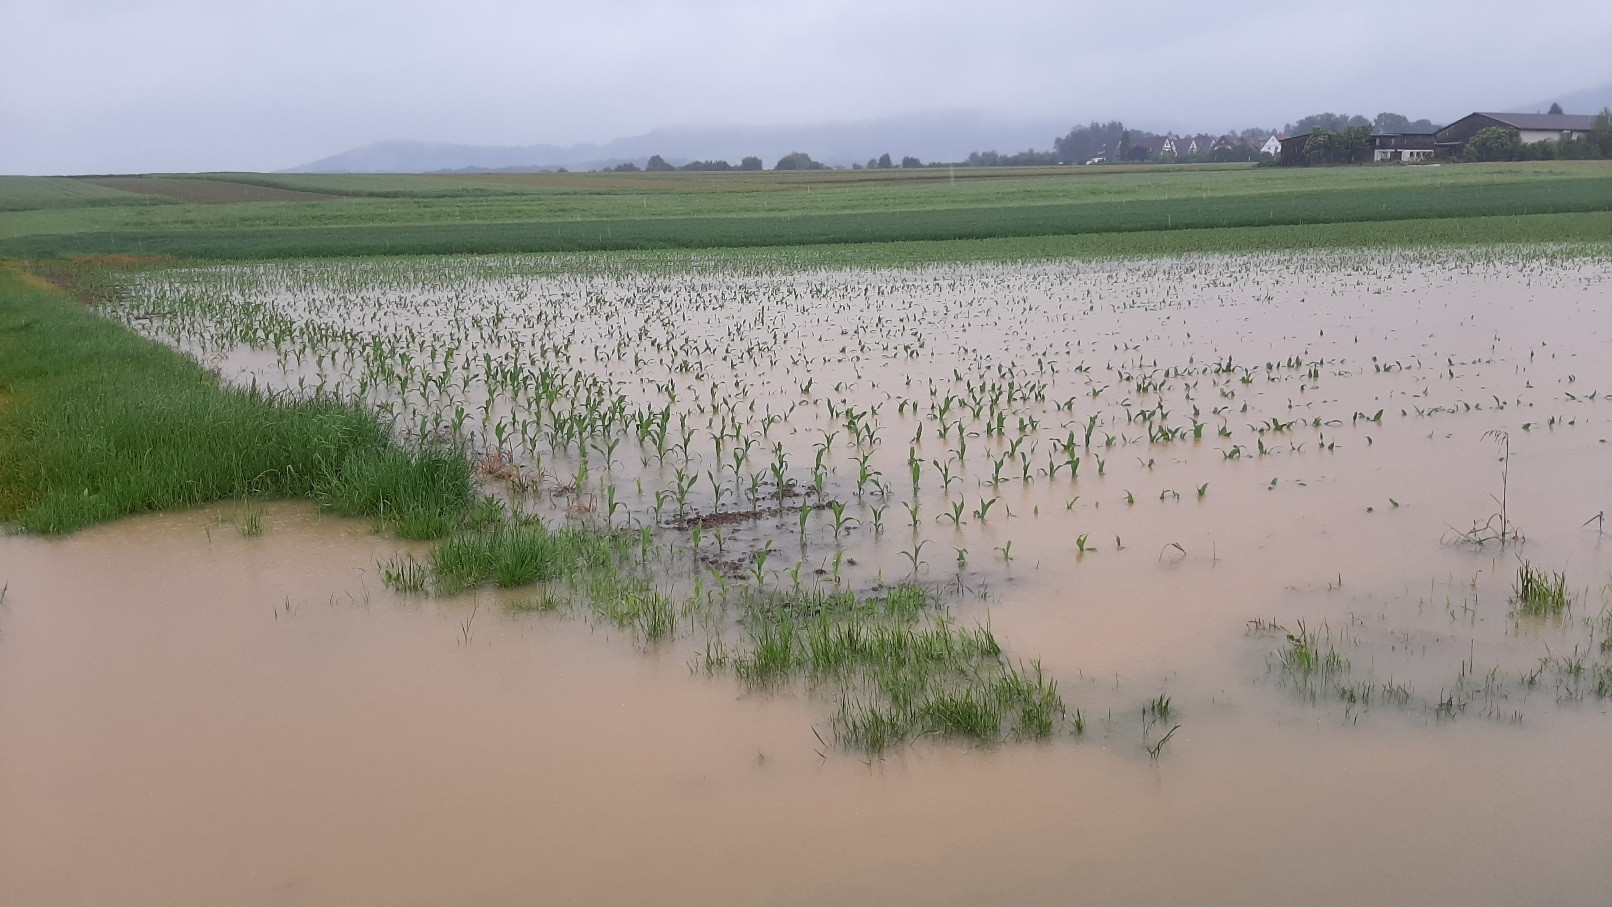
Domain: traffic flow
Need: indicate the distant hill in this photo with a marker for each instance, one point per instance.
(945, 136)
(413, 157)
(1589, 100)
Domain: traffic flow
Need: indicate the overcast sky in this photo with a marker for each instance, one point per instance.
(181, 85)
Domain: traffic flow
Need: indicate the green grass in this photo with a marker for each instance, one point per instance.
(1112, 219)
(518, 554)
(97, 423)
(36, 193)
(1309, 655)
(1540, 592)
(901, 667)
(1115, 209)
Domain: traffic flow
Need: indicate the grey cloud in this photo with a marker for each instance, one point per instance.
(186, 84)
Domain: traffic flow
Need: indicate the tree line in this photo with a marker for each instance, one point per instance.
(1333, 138)
(658, 164)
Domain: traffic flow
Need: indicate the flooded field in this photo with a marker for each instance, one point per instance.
(1295, 570)
(194, 716)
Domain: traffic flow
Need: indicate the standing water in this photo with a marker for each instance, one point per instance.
(1246, 513)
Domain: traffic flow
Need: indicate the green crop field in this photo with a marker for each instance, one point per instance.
(1147, 210)
(47, 193)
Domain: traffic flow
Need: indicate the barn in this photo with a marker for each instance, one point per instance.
(1533, 127)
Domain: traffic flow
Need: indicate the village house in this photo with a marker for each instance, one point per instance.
(1273, 145)
(1409, 147)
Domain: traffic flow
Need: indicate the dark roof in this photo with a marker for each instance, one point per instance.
(1551, 122)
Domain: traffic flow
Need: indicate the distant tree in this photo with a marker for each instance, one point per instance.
(798, 160)
(1355, 143)
(750, 163)
(1396, 122)
(1496, 143)
(1083, 143)
(707, 165)
(657, 164)
(1138, 153)
(910, 161)
(1332, 122)
(1392, 122)
(1029, 158)
(1352, 143)
(1554, 108)
(1321, 146)
(625, 167)
(884, 161)
(1223, 154)
(1600, 138)
(1548, 150)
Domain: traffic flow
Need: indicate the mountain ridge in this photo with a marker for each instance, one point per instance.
(944, 136)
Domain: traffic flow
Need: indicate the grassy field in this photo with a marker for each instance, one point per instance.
(246, 216)
(98, 423)
(49, 193)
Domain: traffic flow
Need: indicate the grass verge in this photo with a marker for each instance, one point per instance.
(97, 423)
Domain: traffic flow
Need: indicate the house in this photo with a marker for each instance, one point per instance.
(1193, 145)
(1293, 149)
(1532, 127)
(1156, 148)
(1273, 145)
(1410, 147)
(1384, 147)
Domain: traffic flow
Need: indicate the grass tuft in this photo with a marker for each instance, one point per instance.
(1541, 593)
(902, 667)
(510, 555)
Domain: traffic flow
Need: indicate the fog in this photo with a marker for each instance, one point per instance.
(91, 86)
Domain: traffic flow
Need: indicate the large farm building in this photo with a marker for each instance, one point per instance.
(1451, 140)
(1532, 127)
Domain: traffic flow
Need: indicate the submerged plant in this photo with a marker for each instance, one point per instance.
(1540, 592)
(902, 666)
(405, 574)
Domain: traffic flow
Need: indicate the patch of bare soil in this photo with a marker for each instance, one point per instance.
(208, 191)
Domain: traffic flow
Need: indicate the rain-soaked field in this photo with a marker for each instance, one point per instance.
(1216, 579)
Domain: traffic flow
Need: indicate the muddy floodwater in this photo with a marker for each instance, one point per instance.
(1268, 522)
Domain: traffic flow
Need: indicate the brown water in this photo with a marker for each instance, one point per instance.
(196, 717)
(192, 716)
